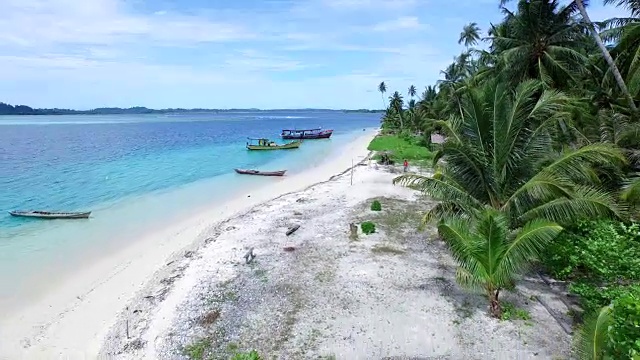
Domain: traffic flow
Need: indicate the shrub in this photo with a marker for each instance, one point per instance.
(624, 329)
(376, 206)
(599, 258)
(368, 227)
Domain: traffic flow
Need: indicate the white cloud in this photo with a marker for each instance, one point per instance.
(369, 4)
(252, 60)
(46, 23)
(90, 53)
(401, 23)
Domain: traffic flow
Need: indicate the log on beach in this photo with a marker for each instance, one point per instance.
(293, 229)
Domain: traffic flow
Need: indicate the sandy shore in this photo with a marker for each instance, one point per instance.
(73, 319)
(317, 294)
(187, 293)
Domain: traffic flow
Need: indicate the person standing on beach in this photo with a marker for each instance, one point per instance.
(406, 165)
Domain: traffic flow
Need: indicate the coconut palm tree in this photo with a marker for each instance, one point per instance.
(470, 35)
(541, 40)
(490, 254)
(581, 6)
(632, 6)
(412, 91)
(383, 89)
(499, 154)
(397, 103)
(497, 170)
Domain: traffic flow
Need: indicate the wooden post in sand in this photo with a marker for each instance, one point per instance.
(353, 228)
(127, 321)
(351, 171)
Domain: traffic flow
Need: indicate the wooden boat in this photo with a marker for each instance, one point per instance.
(266, 144)
(50, 214)
(262, 173)
(306, 134)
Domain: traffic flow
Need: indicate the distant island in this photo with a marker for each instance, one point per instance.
(7, 109)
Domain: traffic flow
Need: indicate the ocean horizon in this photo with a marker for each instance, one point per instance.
(134, 172)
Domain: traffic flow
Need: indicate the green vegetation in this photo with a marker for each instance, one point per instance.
(368, 227)
(402, 147)
(251, 355)
(198, 350)
(541, 157)
(601, 259)
(510, 312)
(376, 206)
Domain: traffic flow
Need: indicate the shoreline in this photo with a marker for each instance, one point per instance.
(319, 294)
(72, 319)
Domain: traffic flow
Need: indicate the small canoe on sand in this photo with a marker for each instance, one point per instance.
(262, 173)
(51, 215)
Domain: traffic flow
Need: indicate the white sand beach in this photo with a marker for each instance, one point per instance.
(313, 294)
(72, 320)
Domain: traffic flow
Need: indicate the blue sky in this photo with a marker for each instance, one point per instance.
(229, 54)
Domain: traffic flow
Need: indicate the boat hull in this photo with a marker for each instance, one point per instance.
(321, 135)
(260, 173)
(291, 145)
(50, 215)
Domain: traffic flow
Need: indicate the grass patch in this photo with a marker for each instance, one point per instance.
(386, 249)
(510, 312)
(198, 350)
(251, 355)
(401, 148)
(376, 206)
(400, 213)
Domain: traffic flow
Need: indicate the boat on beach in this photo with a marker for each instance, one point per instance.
(266, 144)
(306, 134)
(262, 173)
(50, 214)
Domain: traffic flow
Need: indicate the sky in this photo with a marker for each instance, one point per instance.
(223, 54)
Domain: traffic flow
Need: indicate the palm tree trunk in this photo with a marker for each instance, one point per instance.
(494, 304)
(384, 105)
(607, 57)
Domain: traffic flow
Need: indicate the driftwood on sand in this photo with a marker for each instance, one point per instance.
(293, 229)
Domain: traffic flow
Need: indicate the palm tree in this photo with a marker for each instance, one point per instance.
(632, 5)
(499, 169)
(490, 255)
(470, 35)
(580, 4)
(542, 41)
(412, 91)
(397, 103)
(499, 154)
(383, 89)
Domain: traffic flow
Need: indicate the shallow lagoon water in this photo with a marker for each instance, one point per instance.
(135, 173)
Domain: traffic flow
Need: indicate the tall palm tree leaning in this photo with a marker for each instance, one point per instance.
(581, 4)
(503, 192)
(383, 89)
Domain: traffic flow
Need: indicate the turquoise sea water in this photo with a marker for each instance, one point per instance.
(133, 172)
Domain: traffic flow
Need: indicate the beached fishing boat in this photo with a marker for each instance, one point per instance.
(262, 173)
(306, 134)
(51, 214)
(266, 144)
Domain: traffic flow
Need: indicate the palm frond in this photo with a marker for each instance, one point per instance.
(591, 339)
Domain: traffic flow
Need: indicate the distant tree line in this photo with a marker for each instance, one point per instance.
(7, 109)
